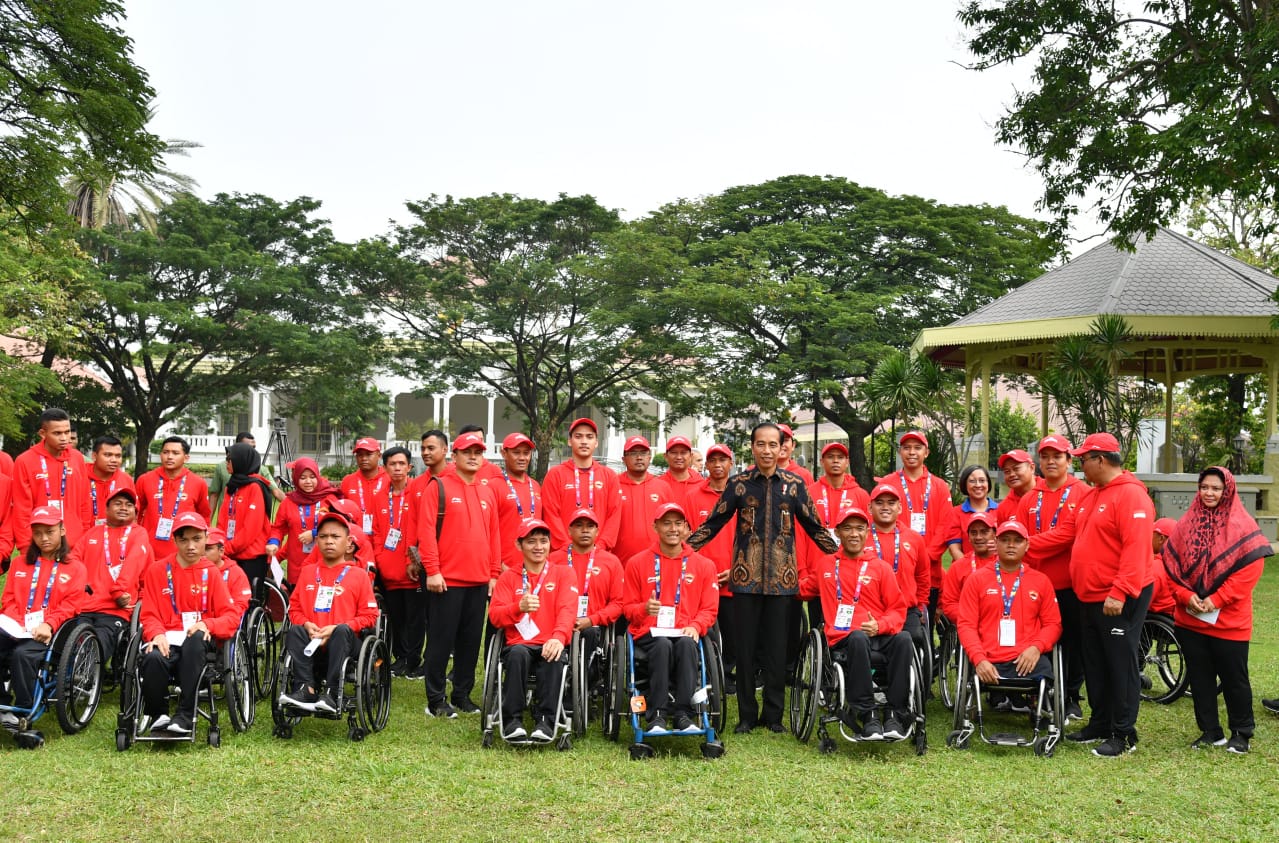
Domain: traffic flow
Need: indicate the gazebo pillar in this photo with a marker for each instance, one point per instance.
(1270, 464)
(1169, 462)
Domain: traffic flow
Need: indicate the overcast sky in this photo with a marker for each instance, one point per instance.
(367, 105)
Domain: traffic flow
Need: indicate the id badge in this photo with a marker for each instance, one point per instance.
(230, 529)
(582, 603)
(844, 616)
(392, 539)
(368, 525)
(324, 598)
(527, 627)
(114, 571)
(55, 505)
(307, 545)
(33, 620)
(189, 619)
(1007, 632)
(917, 521)
(164, 529)
(666, 617)
(98, 522)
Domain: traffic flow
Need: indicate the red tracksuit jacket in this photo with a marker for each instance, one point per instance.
(638, 504)
(66, 599)
(1052, 527)
(719, 549)
(906, 554)
(940, 529)
(879, 597)
(557, 604)
(516, 500)
(562, 493)
(196, 590)
(1034, 611)
(467, 552)
(250, 512)
(603, 589)
(158, 494)
(698, 603)
(952, 585)
(38, 479)
(353, 601)
(1113, 528)
(395, 511)
(114, 559)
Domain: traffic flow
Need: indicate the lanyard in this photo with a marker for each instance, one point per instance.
(657, 571)
(48, 491)
(832, 513)
(1039, 506)
(181, 489)
(532, 501)
(541, 579)
(839, 587)
(106, 542)
(897, 545)
(590, 567)
(93, 493)
(590, 486)
(928, 490)
(35, 581)
(204, 589)
(336, 583)
(304, 512)
(390, 504)
(1008, 598)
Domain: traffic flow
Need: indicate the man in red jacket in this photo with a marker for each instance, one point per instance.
(639, 496)
(671, 600)
(51, 473)
(1019, 477)
(367, 484)
(534, 606)
(105, 475)
(461, 568)
(702, 499)
(332, 605)
(905, 552)
(981, 535)
(599, 577)
(167, 491)
(186, 608)
(519, 496)
(1110, 572)
(394, 532)
(581, 481)
(680, 478)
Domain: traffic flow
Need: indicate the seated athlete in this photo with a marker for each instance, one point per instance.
(671, 599)
(599, 576)
(237, 582)
(981, 537)
(332, 604)
(186, 607)
(864, 614)
(534, 607)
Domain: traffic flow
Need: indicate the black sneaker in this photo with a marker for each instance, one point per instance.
(398, 667)
(443, 710)
(1270, 705)
(466, 707)
(325, 703)
(514, 731)
(1115, 746)
(871, 730)
(893, 730)
(656, 723)
(543, 732)
(684, 723)
(1088, 734)
(1073, 711)
(418, 672)
(180, 724)
(1207, 741)
(1237, 744)
(302, 699)
(1018, 704)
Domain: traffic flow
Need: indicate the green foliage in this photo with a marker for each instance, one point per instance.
(1242, 228)
(915, 390)
(23, 385)
(1217, 408)
(1148, 105)
(337, 471)
(1011, 426)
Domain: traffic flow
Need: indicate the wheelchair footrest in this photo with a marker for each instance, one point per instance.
(1007, 739)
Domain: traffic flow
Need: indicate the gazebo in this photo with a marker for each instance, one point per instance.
(1192, 311)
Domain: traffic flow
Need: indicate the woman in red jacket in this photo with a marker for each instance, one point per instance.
(245, 512)
(1214, 560)
(298, 519)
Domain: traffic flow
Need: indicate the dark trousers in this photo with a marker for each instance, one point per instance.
(518, 660)
(934, 597)
(108, 629)
(183, 665)
(406, 611)
(1043, 670)
(1111, 669)
(669, 657)
(727, 635)
(914, 626)
(1072, 654)
(339, 648)
(860, 653)
(255, 568)
(455, 621)
(762, 622)
(22, 657)
(1207, 659)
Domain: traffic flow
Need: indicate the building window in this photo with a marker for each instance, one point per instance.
(316, 436)
(231, 422)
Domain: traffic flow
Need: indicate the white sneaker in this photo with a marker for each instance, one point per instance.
(8, 720)
(161, 722)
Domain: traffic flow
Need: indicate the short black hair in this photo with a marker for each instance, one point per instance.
(398, 450)
(53, 414)
(243, 436)
(1215, 472)
(968, 472)
(1112, 457)
(106, 440)
(186, 446)
(436, 434)
(469, 428)
(763, 425)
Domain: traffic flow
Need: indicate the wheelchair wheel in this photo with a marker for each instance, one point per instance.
(79, 682)
(283, 722)
(918, 701)
(373, 685)
(579, 687)
(491, 695)
(619, 685)
(609, 716)
(948, 665)
(130, 686)
(1163, 667)
(960, 722)
(805, 692)
(716, 709)
(263, 650)
(237, 682)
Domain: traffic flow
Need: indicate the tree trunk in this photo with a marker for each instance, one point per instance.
(142, 449)
(544, 440)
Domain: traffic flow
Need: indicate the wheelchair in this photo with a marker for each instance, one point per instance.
(570, 714)
(364, 699)
(947, 661)
(132, 726)
(1163, 668)
(1047, 717)
(818, 697)
(628, 686)
(590, 668)
(265, 623)
(69, 677)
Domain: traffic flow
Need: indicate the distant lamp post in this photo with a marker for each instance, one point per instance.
(1239, 441)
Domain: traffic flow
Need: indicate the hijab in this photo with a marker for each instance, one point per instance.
(1209, 545)
(245, 464)
(323, 489)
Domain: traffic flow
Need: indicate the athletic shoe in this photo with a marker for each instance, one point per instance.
(871, 730)
(1088, 734)
(1237, 744)
(543, 732)
(1270, 705)
(325, 703)
(418, 672)
(1113, 747)
(656, 723)
(302, 699)
(398, 667)
(1018, 704)
(443, 710)
(9, 720)
(1073, 711)
(466, 707)
(514, 732)
(1205, 741)
(893, 730)
(684, 723)
(180, 725)
(158, 725)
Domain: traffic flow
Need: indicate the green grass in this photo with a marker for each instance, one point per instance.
(430, 778)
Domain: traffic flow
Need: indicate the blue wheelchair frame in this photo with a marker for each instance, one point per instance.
(712, 746)
(64, 684)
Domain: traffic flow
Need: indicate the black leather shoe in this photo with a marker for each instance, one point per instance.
(743, 728)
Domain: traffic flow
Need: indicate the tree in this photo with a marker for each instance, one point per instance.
(69, 95)
(1242, 228)
(501, 294)
(1150, 104)
(228, 294)
(800, 285)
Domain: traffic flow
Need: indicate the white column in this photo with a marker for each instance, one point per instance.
(444, 421)
(435, 408)
(390, 424)
(492, 434)
(660, 444)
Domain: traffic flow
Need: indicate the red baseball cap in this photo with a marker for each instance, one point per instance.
(669, 507)
(368, 443)
(850, 510)
(189, 519)
(517, 439)
(1053, 442)
(984, 517)
(125, 489)
(717, 448)
(636, 442)
(582, 421)
(528, 525)
(1103, 442)
(1015, 455)
(216, 536)
(345, 509)
(48, 515)
(1013, 527)
(787, 433)
(676, 441)
(469, 440)
(918, 436)
(588, 514)
(836, 446)
(885, 489)
(1165, 526)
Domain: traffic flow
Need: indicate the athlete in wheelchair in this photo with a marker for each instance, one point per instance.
(981, 537)
(1009, 625)
(334, 616)
(46, 656)
(862, 670)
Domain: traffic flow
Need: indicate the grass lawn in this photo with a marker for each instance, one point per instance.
(430, 778)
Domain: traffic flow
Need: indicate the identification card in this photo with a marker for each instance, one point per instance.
(307, 545)
(324, 598)
(1007, 632)
(527, 627)
(98, 522)
(164, 529)
(277, 572)
(55, 505)
(582, 603)
(33, 620)
(230, 529)
(844, 616)
(392, 539)
(666, 617)
(918, 521)
(189, 619)
(368, 525)
(114, 571)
